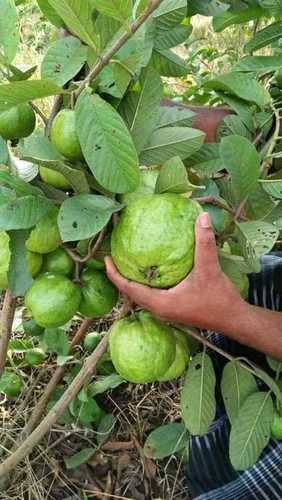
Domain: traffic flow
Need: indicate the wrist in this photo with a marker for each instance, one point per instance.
(234, 319)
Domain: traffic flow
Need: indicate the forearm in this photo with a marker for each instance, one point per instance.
(255, 327)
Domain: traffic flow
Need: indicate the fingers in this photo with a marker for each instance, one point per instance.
(140, 294)
(206, 256)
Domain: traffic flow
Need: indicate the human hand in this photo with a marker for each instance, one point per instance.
(205, 299)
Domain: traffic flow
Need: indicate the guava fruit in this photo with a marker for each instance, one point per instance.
(148, 180)
(17, 122)
(276, 428)
(142, 348)
(45, 237)
(64, 136)
(97, 262)
(154, 241)
(34, 261)
(99, 295)
(11, 384)
(53, 178)
(34, 357)
(91, 341)
(181, 360)
(58, 262)
(52, 299)
(31, 328)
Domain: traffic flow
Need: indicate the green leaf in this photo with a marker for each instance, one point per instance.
(12, 94)
(120, 10)
(256, 238)
(50, 13)
(233, 125)
(198, 405)
(172, 116)
(107, 145)
(207, 160)
(4, 152)
(236, 385)
(275, 6)
(140, 110)
(63, 60)
(23, 213)
(165, 441)
(241, 85)
(105, 428)
(169, 38)
(173, 178)
(9, 29)
(103, 384)
(259, 203)
(106, 28)
(264, 37)
(77, 15)
(273, 187)
(167, 63)
(89, 412)
(19, 277)
(211, 8)
(167, 142)
(79, 458)
(39, 147)
(226, 19)
(270, 382)
(242, 160)
(170, 13)
(18, 74)
(262, 64)
(242, 108)
(251, 430)
(83, 216)
(21, 187)
(56, 340)
(275, 365)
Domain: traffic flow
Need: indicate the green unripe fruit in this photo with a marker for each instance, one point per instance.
(96, 265)
(11, 384)
(45, 237)
(99, 295)
(181, 360)
(142, 348)
(53, 178)
(154, 241)
(17, 122)
(148, 179)
(58, 262)
(64, 136)
(91, 341)
(52, 300)
(34, 357)
(33, 329)
(276, 428)
(34, 261)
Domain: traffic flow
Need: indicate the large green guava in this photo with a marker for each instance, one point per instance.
(53, 178)
(142, 348)
(181, 360)
(64, 136)
(99, 295)
(53, 299)
(154, 240)
(45, 237)
(148, 180)
(58, 262)
(276, 428)
(17, 122)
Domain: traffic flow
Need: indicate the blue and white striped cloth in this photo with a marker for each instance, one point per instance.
(210, 474)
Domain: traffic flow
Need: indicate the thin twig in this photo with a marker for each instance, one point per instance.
(6, 323)
(212, 200)
(39, 112)
(58, 102)
(91, 251)
(107, 56)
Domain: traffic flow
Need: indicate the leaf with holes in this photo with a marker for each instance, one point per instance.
(173, 178)
(107, 145)
(242, 160)
(198, 404)
(9, 31)
(165, 441)
(140, 110)
(63, 60)
(12, 94)
(167, 142)
(251, 430)
(236, 385)
(83, 216)
(256, 238)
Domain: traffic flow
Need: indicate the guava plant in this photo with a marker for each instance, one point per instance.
(113, 158)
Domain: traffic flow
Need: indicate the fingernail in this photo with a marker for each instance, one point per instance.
(205, 220)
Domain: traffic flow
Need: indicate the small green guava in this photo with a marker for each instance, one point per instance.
(276, 428)
(99, 295)
(11, 384)
(154, 241)
(34, 261)
(142, 348)
(181, 360)
(91, 341)
(17, 122)
(148, 180)
(45, 237)
(64, 136)
(52, 299)
(58, 262)
(53, 178)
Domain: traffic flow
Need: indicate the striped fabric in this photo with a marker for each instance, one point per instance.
(210, 474)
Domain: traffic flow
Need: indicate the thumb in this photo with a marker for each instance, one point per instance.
(206, 256)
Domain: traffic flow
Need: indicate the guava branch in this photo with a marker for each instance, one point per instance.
(212, 200)
(107, 56)
(39, 112)
(91, 250)
(6, 323)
